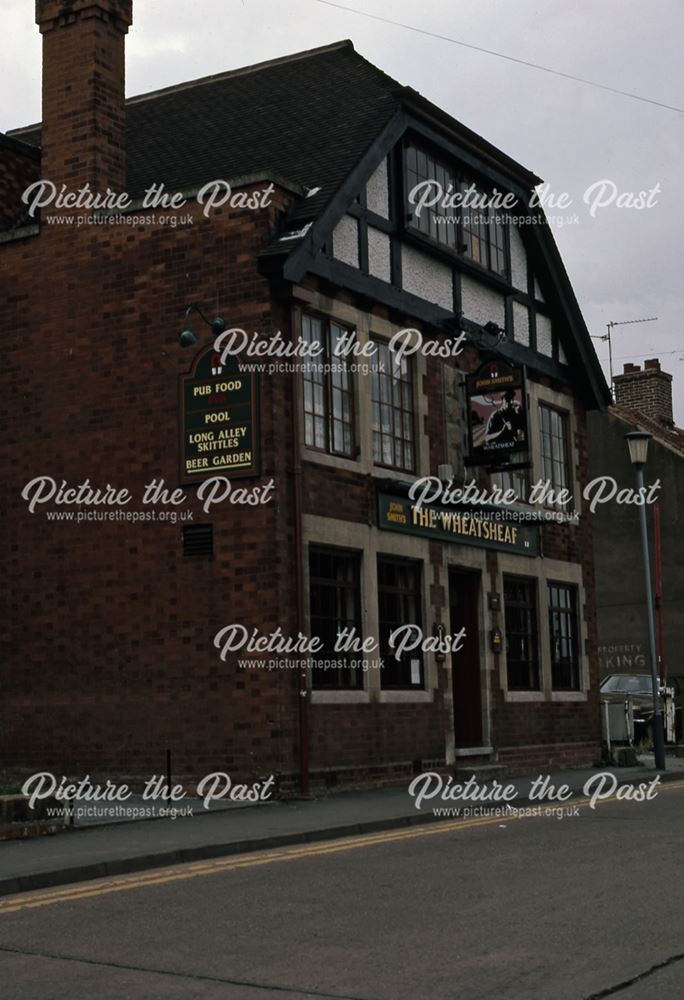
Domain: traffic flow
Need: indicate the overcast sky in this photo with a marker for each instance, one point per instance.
(624, 264)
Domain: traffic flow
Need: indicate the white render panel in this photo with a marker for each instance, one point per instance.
(480, 303)
(544, 337)
(562, 357)
(426, 277)
(379, 257)
(538, 292)
(518, 259)
(346, 240)
(377, 191)
(521, 324)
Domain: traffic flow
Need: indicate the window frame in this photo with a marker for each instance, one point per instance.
(576, 635)
(376, 374)
(387, 655)
(461, 181)
(328, 322)
(567, 463)
(356, 675)
(535, 667)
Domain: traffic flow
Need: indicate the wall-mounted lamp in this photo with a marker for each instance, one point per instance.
(439, 631)
(188, 337)
(494, 330)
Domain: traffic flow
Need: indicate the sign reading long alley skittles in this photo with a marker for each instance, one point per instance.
(219, 420)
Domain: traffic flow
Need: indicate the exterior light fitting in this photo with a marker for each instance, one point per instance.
(188, 337)
(637, 442)
(494, 330)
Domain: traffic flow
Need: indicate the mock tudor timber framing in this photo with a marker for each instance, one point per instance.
(542, 254)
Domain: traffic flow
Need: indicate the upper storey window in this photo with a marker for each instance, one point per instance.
(453, 211)
(426, 174)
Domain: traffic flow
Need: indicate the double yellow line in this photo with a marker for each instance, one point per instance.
(182, 872)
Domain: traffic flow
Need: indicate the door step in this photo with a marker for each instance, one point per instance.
(481, 772)
(474, 752)
(481, 762)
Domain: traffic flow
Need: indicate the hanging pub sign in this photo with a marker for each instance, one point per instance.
(497, 412)
(219, 420)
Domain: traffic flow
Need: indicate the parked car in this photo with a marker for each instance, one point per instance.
(617, 687)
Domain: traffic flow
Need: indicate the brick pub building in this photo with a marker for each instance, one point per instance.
(109, 656)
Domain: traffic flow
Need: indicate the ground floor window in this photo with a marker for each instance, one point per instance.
(399, 604)
(565, 673)
(335, 603)
(522, 659)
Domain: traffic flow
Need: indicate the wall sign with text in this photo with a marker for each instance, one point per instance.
(441, 524)
(497, 412)
(219, 420)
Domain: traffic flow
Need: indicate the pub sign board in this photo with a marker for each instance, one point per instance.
(455, 525)
(497, 412)
(219, 420)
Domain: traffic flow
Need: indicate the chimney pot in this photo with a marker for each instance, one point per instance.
(652, 363)
(629, 368)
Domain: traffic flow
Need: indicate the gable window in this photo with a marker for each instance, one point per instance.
(522, 661)
(335, 603)
(474, 230)
(563, 632)
(328, 391)
(392, 409)
(555, 454)
(399, 603)
(433, 176)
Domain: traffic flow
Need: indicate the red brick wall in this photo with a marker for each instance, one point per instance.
(107, 635)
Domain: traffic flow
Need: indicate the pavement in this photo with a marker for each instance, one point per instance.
(96, 852)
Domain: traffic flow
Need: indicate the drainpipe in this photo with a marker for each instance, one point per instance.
(659, 594)
(302, 676)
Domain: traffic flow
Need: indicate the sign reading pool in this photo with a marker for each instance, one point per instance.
(219, 420)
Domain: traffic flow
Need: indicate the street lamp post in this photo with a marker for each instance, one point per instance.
(637, 442)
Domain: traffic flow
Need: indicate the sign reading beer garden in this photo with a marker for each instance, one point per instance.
(219, 420)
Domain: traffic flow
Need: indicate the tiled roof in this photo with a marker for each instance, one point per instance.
(672, 436)
(306, 118)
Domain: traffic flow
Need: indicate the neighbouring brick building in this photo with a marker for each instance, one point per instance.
(108, 638)
(643, 401)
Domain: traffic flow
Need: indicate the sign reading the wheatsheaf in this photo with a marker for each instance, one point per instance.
(456, 525)
(218, 420)
(497, 411)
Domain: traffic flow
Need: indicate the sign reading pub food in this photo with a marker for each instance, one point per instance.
(497, 412)
(219, 430)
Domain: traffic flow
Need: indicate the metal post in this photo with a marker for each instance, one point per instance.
(610, 755)
(610, 353)
(658, 730)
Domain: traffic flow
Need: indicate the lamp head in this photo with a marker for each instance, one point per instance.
(187, 338)
(218, 326)
(637, 442)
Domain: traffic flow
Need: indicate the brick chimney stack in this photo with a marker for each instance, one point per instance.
(648, 392)
(84, 91)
